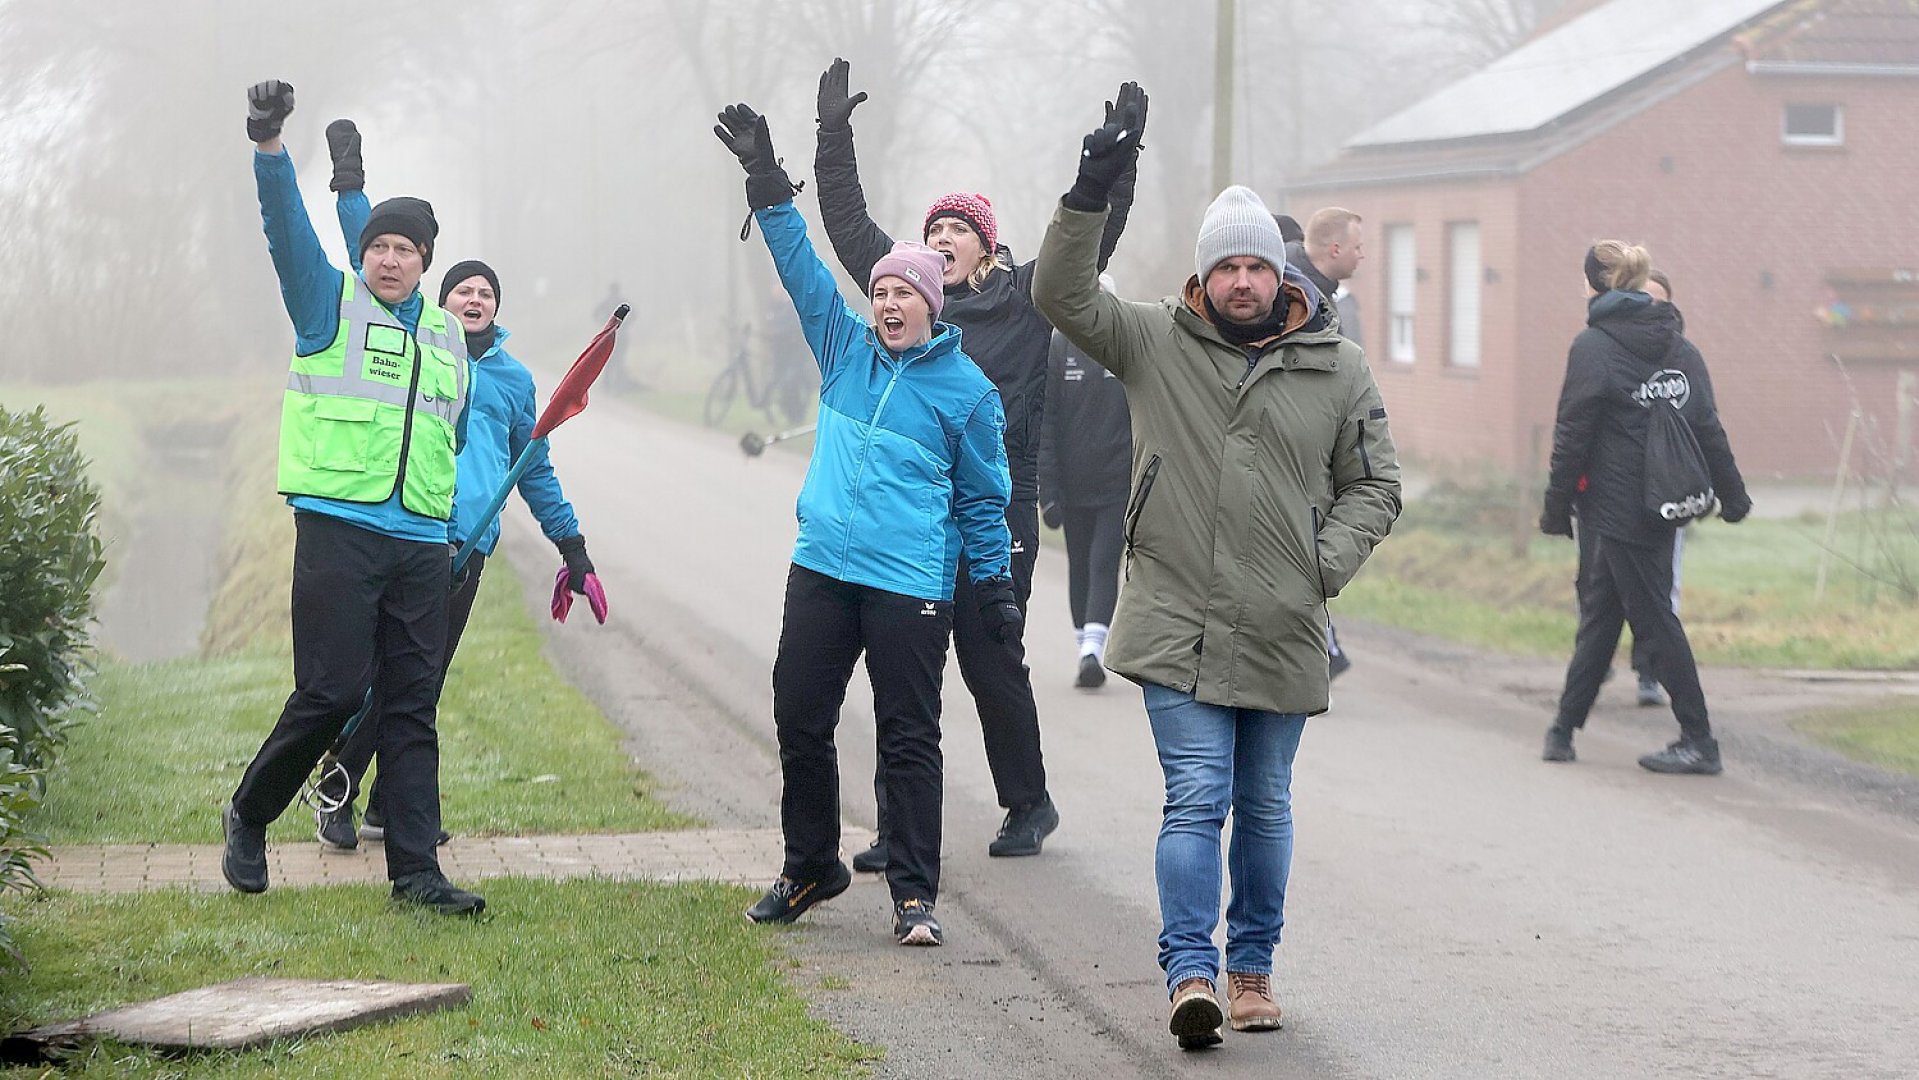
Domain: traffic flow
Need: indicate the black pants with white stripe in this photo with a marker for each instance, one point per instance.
(827, 626)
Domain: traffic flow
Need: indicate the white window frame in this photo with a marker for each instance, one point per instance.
(1465, 293)
(1836, 137)
(1402, 292)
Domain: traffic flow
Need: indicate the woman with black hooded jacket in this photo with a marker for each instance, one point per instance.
(1632, 357)
(991, 301)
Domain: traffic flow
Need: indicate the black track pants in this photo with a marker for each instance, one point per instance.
(1622, 583)
(361, 602)
(1095, 539)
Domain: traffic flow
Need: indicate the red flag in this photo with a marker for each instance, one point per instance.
(569, 398)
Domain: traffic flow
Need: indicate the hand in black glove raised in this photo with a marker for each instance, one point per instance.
(1110, 149)
(744, 132)
(835, 107)
(269, 103)
(343, 144)
(999, 609)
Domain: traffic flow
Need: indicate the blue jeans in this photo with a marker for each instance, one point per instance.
(1216, 758)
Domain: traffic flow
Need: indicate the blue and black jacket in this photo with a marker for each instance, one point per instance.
(504, 409)
(909, 466)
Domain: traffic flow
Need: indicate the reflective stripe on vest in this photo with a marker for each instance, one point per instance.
(363, 311)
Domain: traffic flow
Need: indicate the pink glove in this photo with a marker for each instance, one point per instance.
(563, 597)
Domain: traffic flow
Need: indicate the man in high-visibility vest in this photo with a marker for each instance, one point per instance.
(373, 416)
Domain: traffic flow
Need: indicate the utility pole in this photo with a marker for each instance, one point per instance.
(1223, 39)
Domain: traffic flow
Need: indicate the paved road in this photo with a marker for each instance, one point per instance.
(1457, 908)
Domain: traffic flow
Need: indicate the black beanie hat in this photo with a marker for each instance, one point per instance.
(1289, 229)
(405, 216)
(460, 271)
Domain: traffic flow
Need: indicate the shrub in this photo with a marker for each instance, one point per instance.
(50, 556)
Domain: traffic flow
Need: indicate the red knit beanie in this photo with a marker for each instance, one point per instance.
(974, 209)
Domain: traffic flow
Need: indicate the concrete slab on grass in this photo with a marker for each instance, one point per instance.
(247, 1013)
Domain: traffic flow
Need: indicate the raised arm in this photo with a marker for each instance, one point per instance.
(309, 284)
(349, 181)
(831, 326)
(858, 241)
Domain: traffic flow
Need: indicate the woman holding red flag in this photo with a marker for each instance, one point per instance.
(500, 428)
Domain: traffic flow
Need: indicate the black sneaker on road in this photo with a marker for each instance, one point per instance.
(914, 924)
(1025, 829)
(1695, 758)
(244, 862)
(789, 898)
(1092, 675)
(431, 889)
(1559, 745)
(873, 859)
(336, 829)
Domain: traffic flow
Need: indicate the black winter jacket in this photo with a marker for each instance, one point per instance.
(1631, 356)
(999, 327)
(1086, 442)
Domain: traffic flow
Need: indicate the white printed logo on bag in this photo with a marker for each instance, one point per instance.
(1666, 384)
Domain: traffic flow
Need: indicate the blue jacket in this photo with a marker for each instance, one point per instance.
(310, 288)
(909, 466)
(503, 413)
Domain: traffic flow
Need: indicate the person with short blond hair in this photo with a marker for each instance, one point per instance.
(1329, 256)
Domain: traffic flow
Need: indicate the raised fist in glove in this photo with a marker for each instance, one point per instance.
(343, 144)
(269, 104)
(999, 609)
(1110, 149)
(835, 107)
(744, 133)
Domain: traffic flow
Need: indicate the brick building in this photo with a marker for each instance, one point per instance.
(1763, 151)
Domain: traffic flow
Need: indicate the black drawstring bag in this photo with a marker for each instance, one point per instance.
(1678, 483)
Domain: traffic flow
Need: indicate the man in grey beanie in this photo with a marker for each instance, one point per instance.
(1249, 509)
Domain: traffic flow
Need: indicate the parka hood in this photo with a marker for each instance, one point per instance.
(1641, 326)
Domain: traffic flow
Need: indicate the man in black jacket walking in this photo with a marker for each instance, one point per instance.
(990, 300)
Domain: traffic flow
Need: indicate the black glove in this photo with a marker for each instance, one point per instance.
(573, 550)
(744, 132)
(1052, 514)
(1110, 150)
(835, 107)
(268, 105)
(1556, 521)
(999, 609)
(1734, 508)
(343, 142)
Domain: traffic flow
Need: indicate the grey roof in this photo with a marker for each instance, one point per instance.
(1552, 75)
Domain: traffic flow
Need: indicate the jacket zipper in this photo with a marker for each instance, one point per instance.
(1319, 571)
(1146, 480)
(1365, 459)
(866, 447)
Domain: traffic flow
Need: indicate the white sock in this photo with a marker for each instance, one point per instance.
(1092, 641)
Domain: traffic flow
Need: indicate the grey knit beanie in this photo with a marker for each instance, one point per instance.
(1238, 223)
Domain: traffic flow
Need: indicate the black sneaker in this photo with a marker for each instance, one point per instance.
(789, 898)
(1692, 757)
(914, 924)
(336, 829)
(873, 859)
(1559, 744)
(1092, 675)
(1650, 696)
(244, 862)
(431, 889)
(1025, 829)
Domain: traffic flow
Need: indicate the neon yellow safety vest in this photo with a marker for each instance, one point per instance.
(376, 409)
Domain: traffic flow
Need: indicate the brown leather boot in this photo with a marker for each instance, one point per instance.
(1250, 1002)
(1196, 1014)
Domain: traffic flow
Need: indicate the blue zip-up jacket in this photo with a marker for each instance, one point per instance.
(504, 410)
(909, 465)
(310, 288)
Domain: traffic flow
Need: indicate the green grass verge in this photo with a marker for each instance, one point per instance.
(521, 751)
(1748, 598)
(1885, 733)
(583, 978)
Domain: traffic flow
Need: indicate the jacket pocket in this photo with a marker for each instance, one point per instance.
(1147, 478)
(1319, 557)
(342, 433)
